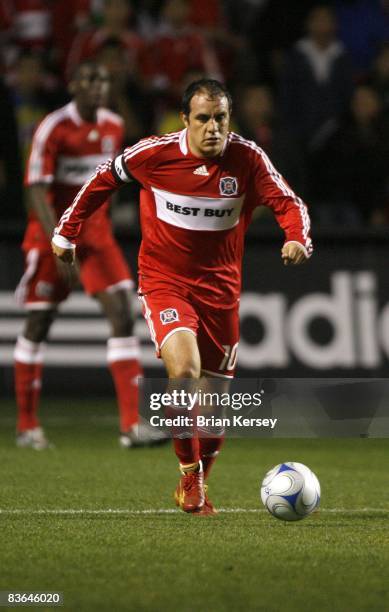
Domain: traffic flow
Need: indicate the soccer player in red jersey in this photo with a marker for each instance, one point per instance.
(66, 147)
(200, 187)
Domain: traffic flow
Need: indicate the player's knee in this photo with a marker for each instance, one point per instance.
(185, 370)
(119, 313)
(38, 324)
(122, 326)
(121, 321)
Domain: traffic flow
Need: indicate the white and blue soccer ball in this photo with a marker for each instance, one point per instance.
(290, 491)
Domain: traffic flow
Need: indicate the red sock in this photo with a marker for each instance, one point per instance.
(209, 450)
(185, 437)
(28, 382)
(123, 361)
(187, 449)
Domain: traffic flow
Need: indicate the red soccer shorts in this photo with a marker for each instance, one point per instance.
(101, 269)
(171, 308)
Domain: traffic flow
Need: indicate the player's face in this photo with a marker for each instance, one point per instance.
(208, 123)
(91, 86)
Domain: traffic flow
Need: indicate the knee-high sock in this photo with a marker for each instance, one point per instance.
(28, 365)
(187, 449)
(185, 437)
(209, 450)
(123, 361)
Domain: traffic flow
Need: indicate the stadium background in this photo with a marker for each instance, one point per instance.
(325, 128)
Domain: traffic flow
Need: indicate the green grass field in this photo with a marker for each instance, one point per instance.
(87, 519)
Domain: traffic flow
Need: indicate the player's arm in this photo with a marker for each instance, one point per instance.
(290, 211)
(40, 171)
(131, 165)
(102, 184)
(39, 177)
(37, 201)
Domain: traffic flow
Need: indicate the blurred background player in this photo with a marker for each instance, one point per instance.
(67, 146)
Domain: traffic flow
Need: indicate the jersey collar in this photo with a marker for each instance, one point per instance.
(183, 142)
(76, 117)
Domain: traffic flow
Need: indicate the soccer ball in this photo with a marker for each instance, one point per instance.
(290, 491)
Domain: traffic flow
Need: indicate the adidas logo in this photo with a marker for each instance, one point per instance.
(201, 171)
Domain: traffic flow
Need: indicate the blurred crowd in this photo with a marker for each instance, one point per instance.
(310, 82)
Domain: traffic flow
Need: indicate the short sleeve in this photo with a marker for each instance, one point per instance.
(42, 161)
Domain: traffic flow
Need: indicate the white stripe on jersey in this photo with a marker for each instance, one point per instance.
(128, 153)
(197, 213)
(279, 181)
(140, 144)
(69, 210)
(151, 139)
(148, 143)
(72, 170)
(35, 163)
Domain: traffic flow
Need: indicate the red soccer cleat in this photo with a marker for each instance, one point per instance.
(208, 509)
(189, 494)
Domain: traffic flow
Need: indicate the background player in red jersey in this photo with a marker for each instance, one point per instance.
(66, 147)
(200, 188)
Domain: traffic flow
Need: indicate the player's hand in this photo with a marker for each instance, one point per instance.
(293, 253)
(68, 256)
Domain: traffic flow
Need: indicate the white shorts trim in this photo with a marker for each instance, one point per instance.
(32, 258)
(122, 354)
(149, 321)
(28, 352)
(217, 374)
(126, 283)
(41, 305)
(173, 331)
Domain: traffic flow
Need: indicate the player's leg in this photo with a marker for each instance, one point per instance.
(211, 438)
(181, 356)
(28, 367)
(123, 356)
(218, 337)
(173, 324)
(182, 360)
(106, 276)
(39, 291)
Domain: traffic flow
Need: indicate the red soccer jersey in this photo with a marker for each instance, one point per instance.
(194, 211)
(64, 154)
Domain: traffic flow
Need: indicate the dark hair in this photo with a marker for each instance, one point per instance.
(212, 87)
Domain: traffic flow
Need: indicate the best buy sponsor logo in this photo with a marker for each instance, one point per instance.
(194, 211)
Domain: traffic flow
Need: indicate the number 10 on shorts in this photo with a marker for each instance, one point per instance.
(230, 356)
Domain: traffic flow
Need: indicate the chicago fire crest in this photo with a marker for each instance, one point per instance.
(170, 315)
(228, 185)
